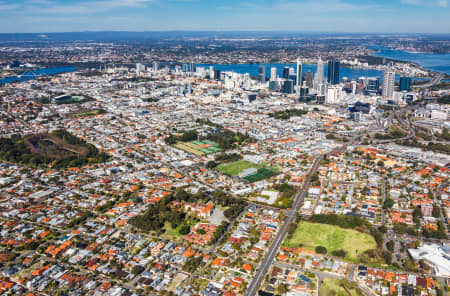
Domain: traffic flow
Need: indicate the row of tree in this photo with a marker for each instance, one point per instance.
(15, 150)
(286, 114)
(186, 136)
(436, 147)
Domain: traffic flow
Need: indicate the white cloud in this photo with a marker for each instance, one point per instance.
(438, 3)
(85, 7)
(412, 2)
(442, 3)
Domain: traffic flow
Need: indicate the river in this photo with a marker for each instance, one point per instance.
(439, 62)
(252, 69)
(37, 73)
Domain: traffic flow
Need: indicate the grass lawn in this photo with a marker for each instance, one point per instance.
(234, 168)
(334, 238)
(176, 281)
(188, 149)
(171, 233)
(198, 148)
(333, 287)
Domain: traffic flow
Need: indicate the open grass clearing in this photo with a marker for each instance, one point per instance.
(310, 235)
(335, 287)
(177, 281)
(171, 233)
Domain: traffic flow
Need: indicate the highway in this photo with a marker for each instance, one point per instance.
(273, 250)
(434, 81)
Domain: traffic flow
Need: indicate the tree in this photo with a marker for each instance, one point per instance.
(137, 269)
(387, 256)
(382, 229)
(388, 203)
(185, 229)
(417, 215)
(282, 289)
(436, 211)
(321, 250)
(339, 253)
(200, 231)
(211, 164)
(390, 245)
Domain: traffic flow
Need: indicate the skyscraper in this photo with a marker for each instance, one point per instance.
(273, 74)
(388, 84)
(155, 66)
(262, 73)
(309, 78)
(217, 74)
(139, 68)
(405, 83)
(373, 85)
(288, 87)
(334, 68)
(286, 73)
(299, 73)
(318, 77)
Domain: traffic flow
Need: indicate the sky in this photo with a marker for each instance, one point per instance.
(380, 16)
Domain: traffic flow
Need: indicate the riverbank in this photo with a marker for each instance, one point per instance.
(30, 75)
(253, 70)
(435, 62)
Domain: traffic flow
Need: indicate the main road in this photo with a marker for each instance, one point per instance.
(291, 215)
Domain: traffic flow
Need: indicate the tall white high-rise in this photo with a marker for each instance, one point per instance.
(299, 73)
(140, 68)
(155, 66)
(388, 84)
(273, 74)
(318, 77)
(334, 95)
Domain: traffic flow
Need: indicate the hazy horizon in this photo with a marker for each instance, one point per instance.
(336, 16)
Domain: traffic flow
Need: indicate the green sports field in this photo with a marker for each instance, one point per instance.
(334, 238)
(234, 168)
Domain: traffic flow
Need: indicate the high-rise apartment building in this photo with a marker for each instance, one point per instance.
(299, 79)
(318, 77)
(405, 83)
(388, 84)
(262, 73)
(273, 74)
(334, 69)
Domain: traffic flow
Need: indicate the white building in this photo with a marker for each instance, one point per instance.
(299, 73)
(273, 74)
(140, 68)
(388, 84)
(334, 95)
(318, 77)
(439, 115)
(438, 256)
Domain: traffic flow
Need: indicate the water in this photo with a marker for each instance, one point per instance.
(252, 69)
(433, 61)
(37, 73)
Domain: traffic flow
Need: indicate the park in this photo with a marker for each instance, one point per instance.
(333, 238)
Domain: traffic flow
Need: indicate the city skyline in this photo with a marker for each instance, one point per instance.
(368, 16)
